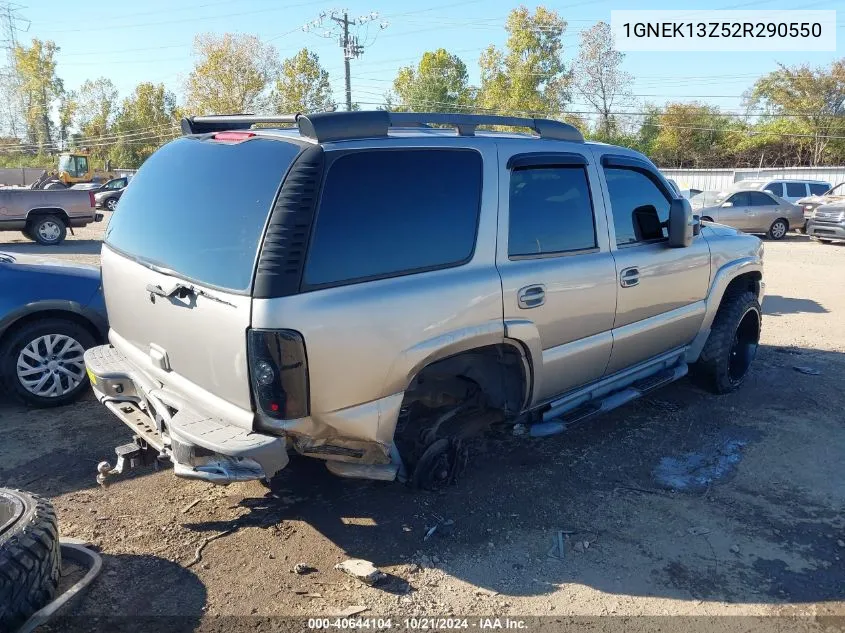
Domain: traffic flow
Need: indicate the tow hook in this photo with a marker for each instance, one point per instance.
(129, 456)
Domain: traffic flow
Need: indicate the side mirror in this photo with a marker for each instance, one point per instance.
(680, 223)
(727, 204)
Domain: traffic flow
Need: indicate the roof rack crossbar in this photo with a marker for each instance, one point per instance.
(337, 126)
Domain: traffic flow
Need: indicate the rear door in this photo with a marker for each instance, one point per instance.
(558, 275)
(195, 215)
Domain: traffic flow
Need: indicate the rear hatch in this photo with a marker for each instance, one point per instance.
(179, 260)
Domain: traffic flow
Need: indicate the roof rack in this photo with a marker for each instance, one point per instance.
(324, 127)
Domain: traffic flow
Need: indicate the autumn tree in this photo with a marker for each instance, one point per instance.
(303, 85)
(39, 88)
(95, 112)
(233, 74)
(529, 76)
(599, 75)
(147, 119)
(815, 97)
(690, 135)
(438, 83)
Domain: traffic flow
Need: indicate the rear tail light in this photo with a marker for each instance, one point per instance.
(278, 371)
(91, 199)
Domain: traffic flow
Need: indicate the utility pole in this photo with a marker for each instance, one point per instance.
(350, 43)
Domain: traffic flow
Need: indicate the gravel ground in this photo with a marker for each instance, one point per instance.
(679, 504)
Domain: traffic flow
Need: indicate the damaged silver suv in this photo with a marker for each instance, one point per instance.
(372, 288)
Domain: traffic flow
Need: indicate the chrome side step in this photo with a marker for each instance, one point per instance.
(575, 411)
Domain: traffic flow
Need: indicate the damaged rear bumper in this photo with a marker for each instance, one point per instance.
(199, 445)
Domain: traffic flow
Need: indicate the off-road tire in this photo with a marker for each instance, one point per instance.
(30, 557)
(775, 233)
(711, 371)
(38, 221)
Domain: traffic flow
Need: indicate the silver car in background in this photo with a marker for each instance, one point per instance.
(755, 211)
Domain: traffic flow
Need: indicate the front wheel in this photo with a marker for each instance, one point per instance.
(42, 362)
(732, 344)
(778, 230)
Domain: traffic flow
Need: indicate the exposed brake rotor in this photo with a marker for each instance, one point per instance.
(440, 464)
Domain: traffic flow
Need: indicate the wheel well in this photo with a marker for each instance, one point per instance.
(745, 282)
(497, 371)
(32, 317)
(784, 220)
(37, 213)
(706, 218)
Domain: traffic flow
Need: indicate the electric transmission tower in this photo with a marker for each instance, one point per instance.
(336, 24)
(11, 22)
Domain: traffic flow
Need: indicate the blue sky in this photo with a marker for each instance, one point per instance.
(152, 41)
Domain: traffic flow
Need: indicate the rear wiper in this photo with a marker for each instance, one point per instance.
(182, 291)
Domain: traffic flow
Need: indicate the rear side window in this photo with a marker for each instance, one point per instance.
(632, 193)
(199, 208)
(759, 199)
(391, 212)
(817, 190)
(775, 188)
(796, 189)
(550, 211)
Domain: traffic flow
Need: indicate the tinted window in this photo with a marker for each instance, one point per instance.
(796, 189)
(759, 199)
(817, 190)
(199, 208)
(630, 191)
(740, 199)
(775, 188)
(388, 212)
(550, 211)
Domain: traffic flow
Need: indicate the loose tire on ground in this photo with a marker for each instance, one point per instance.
(732, 344)
(10, 358)
(48, 230)
(30, 556)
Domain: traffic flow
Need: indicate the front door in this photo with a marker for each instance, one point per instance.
(736, 211)
(660, 290)
(558, 275)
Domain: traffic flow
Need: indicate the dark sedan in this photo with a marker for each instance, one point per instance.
(106, 197)
(50, 313)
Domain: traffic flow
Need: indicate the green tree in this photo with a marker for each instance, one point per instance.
(68, 113)
(303, 85)
(530, 75)
(147, 119)
(439, 83)
(233, 74)
(690, 135)
(815, 97)
(40, 88)
(599, 75)
(96, 110)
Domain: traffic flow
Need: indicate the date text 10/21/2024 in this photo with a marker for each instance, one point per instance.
(418, 624)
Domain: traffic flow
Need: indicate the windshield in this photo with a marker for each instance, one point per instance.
(199, 208)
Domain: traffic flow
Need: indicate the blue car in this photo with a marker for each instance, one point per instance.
(50, 313)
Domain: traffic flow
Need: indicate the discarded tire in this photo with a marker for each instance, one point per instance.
(30, 558)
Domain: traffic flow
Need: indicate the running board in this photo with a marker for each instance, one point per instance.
(569, 414)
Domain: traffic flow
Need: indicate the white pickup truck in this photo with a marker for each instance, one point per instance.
(46, 215)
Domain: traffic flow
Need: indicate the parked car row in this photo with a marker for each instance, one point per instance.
(774, 207)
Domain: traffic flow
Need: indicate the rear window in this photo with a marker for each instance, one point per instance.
(391, 212)
(199, 208)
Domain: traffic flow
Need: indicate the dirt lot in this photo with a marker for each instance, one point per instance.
(680, 504)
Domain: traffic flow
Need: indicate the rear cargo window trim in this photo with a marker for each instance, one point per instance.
(335, 155)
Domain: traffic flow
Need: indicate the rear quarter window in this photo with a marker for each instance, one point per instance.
(199, 208)
(385, 213)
